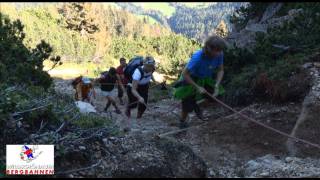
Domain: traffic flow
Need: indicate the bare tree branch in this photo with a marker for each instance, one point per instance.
(33, 109)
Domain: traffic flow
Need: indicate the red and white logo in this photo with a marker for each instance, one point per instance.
(30, 159)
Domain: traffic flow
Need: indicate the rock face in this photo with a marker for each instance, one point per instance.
(271, 166)
(156, 158)
(135, 156)
(245, 38)
(308, 125)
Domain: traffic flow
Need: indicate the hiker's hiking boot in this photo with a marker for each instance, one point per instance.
(139, 115)
(118, 111)
(105, 109)
(121, 102)
(127, 112)
(126, 129)
(199, 113)
(183, 125)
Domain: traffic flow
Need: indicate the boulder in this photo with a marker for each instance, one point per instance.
(271, 166)
(145, 157)
(134, 156)
(245, 38)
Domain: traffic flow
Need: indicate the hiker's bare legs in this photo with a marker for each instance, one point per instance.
(112, 101)
(128, 121)
(107, 105)
(184, 116)
(120, 95)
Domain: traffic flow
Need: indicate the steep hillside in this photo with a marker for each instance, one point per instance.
(93, 40)
(271, 44)
(272, 83)
(194, 20)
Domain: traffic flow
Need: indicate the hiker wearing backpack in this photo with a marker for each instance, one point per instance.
(139, 73)
(197, 78)
(124, 81)
(108, 80)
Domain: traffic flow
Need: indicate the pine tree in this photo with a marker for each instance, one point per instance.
(221, 29)
(77, 18)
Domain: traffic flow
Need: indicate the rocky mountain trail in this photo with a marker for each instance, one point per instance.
(222, 147)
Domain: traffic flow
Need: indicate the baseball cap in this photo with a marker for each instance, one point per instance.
(149, 60)
(86, 80)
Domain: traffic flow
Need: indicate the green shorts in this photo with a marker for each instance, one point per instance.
(186, 90)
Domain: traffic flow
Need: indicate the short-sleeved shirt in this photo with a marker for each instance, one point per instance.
(107, 82)
(201, 66)
(137, 76)
(120, 71)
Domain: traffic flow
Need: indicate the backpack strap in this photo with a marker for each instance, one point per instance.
(141, 72)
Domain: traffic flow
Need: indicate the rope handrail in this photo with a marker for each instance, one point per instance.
(242, 115)
(263, 125)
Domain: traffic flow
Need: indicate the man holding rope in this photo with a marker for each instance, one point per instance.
(196, 79)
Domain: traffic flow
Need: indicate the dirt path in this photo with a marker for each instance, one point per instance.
(225, 144)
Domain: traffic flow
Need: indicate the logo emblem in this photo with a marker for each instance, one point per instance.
(26, 159)
(29, 154)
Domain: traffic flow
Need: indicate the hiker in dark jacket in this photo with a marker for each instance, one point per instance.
(196, 79)
(138, 89)
(108, 80)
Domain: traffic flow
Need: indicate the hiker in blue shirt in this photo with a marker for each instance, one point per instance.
(197, 77)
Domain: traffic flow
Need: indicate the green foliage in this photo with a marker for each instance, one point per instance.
(19, 64)
(242, 15)
(2, 170)
(126, 37)
(123, 47)
(194, 20)
(288, 6)
(76, 18)
(172, 51)
(175, 51)
(277, 65)
(7, 103)
(28, 102)
(41, 23)
(198, 24)
(91, 121)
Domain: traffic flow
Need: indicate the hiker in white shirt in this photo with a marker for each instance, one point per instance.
(137, 90)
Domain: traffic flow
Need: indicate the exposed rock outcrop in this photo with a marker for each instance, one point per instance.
(245, 38)
(272, 166)
(134, 156)
(308, 125)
